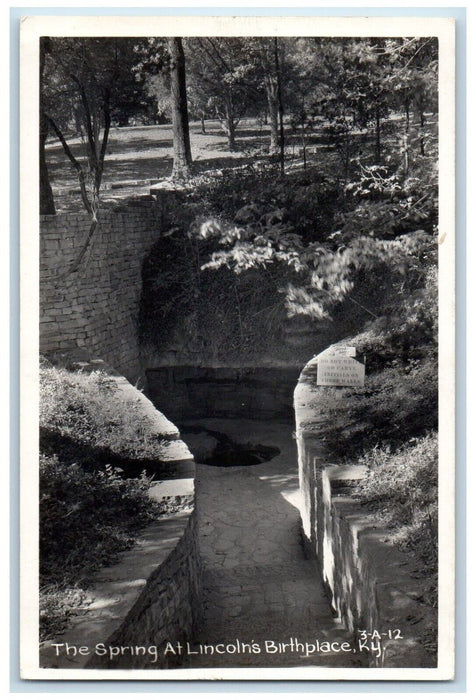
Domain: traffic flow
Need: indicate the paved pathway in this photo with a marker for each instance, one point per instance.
(257, 583)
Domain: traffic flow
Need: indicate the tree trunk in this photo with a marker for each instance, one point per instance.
(47, 202)
(230, 132)
(280, 106)
(230, 126)
(182, 167)
(273, 109)
(202, 123)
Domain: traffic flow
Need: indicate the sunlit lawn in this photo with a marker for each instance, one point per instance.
(139, 156)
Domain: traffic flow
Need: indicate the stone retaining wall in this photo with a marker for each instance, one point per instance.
(166, 611)
(372, 585)
(96, 307)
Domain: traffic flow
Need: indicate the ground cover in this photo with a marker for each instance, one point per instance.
(89, 513)
(143, 155)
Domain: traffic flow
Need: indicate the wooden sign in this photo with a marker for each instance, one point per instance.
(339, 368)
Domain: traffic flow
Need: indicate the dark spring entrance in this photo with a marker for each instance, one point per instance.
(257, 393)
(219, 450)
(187, 393)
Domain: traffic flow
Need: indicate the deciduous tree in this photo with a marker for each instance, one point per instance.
(223, 74)
(182, 167)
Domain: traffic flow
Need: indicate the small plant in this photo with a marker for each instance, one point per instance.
(89, 513)
(401, 487)
(57, 605)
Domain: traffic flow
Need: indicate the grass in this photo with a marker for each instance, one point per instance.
(89, 513)
(401, 488)
(397, 404)
(84, 409)
(144, 154)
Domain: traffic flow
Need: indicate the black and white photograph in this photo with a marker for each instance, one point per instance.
(237, 363)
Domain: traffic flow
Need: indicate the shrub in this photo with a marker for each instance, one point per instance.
(86, 408)
(86, 518)
(401, 487)
(89, 513)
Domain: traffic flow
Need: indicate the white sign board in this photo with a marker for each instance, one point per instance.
(339, 370)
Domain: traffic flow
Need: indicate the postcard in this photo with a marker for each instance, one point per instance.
(237, 347)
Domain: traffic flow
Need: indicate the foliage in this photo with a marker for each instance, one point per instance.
(87, 85)
(306, 202)
(363, 100)
(400, 397)
(87, 408)
(219, 315)
(57, 605)
(402, 488)
(222, 76)
(398, 403)
(317, 276)
(312, 249)
(87, 517)
(89, 512)
(390, 424)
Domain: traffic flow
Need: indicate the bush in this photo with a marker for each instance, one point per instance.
(401, 487)
(87, 518)
(89, 513)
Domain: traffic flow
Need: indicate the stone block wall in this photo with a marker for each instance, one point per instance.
(166, 611)
(371, 584)
(96, 307)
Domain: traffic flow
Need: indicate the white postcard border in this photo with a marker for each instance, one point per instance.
(34, 27)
